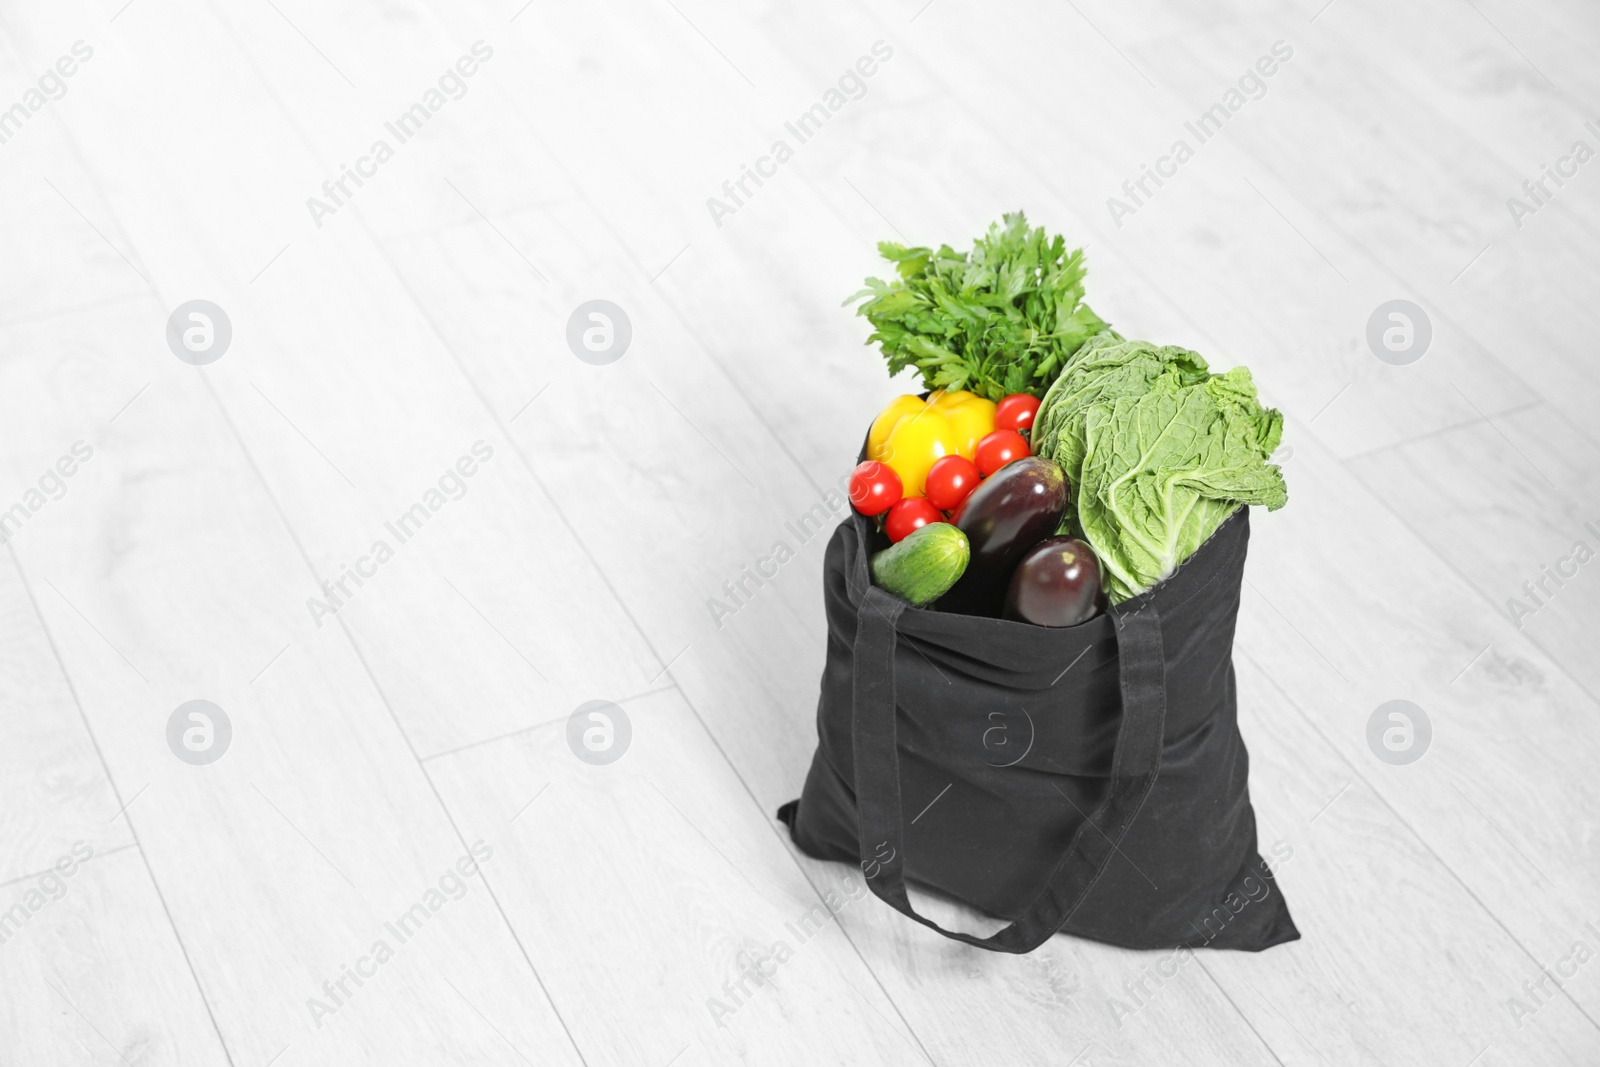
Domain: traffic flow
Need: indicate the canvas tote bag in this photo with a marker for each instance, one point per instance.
(1089, 779)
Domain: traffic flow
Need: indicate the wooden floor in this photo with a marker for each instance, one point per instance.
(229, 913)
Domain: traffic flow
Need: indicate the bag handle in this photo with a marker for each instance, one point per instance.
(880, 815)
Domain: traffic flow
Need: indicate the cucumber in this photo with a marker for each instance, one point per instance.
(921, 568)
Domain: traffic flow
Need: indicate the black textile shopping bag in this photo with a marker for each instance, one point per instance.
(1089, 779)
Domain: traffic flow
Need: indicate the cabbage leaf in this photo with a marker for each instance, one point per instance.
(1105, 368)
(1162, 470)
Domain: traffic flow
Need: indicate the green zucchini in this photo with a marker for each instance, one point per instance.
(921, 568)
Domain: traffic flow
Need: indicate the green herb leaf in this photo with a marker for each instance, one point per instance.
(998, 320)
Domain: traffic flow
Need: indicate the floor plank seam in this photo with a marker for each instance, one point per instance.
(1403, 821)
(516, 447)
(1493, 608)
(116, 795)
(772, 827)
(1432, 435)
(527, 464)
(73, 310)
(98, 853)
(1229, 998)
(383, 698)
(83, 714)
(519, 731)
(1437, 311)
(510, 926)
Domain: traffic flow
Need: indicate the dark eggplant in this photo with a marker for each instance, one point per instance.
(1056, 584)
(1011, 511)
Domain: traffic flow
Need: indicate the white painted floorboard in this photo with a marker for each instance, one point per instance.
(407, 754)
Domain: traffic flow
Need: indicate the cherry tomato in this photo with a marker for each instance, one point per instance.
(908, 516)
(874, 487)
(998, 449)
(1016, 412)
(949, 482)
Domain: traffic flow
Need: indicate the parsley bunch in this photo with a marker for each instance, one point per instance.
(1000, 319)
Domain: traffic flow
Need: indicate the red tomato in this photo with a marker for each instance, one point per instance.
(998, 449)
(874, 487)
(949, 481)
(1016, 412)
(908, 516)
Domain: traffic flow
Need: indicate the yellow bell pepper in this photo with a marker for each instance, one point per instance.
(887, 420)
(971, 417)
(917, 442)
